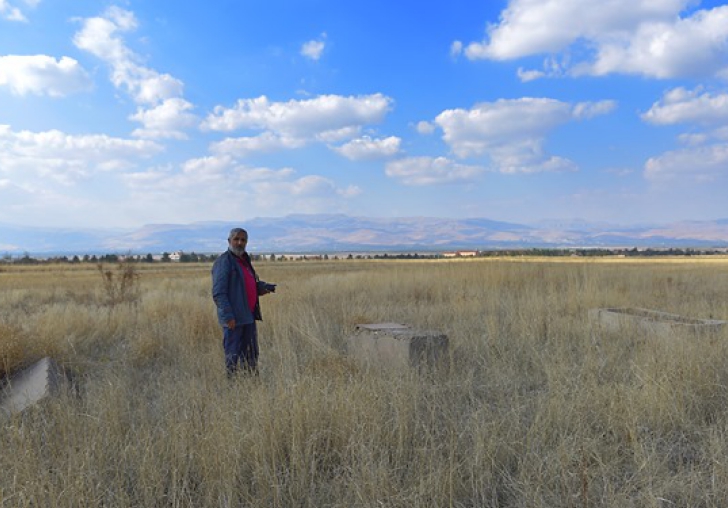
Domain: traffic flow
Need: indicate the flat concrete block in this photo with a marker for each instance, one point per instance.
(652, 321)
(396, 345)
(30, 385)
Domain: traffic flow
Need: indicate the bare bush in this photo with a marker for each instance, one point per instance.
(120, 285)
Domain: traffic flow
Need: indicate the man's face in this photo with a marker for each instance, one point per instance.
(238, 243)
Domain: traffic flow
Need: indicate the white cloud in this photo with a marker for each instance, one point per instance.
(698, 164)
(456, 48)
(511, 132)
(12, 13)
(644, 37)
(308, 194)
(336, 135)
(529, 75)
(692, 47)
(300, 118)
(63, 157)
(211, 165)
(263, 143)
(42, 75)
(586, 110)
(168, 120)
(693, 139)
(425, 128)
(314, 49)
(528, 157)
(209, 176)
(221, 166)
(292, 124)
(529, 27)
(430, 171)
(99, 36)
(366, 148)
(208, 188)
(473, 132)
(267, 174)
(63, 178)
(162, 111)
(685, 106)
(311, 185)
(152, 88)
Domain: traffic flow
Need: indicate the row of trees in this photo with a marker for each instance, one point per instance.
(183, 257)
(27, 259)
(596, 252)
(166, 257)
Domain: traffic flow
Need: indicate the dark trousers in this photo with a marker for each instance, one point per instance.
(241, 348)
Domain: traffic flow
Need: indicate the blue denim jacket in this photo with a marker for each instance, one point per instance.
(228, 291)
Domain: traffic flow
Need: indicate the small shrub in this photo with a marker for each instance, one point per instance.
(120, 285)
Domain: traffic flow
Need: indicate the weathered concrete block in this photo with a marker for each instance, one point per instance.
(30, 385)
(396, 345)
(652, 321)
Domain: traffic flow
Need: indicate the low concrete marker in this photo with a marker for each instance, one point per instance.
(30, 385)
(652, 321)
(396, 345)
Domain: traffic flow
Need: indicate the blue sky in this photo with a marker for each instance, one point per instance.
(128, 113)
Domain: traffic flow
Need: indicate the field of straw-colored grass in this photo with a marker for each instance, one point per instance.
(537, 407)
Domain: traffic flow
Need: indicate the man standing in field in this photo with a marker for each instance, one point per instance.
(235, 290)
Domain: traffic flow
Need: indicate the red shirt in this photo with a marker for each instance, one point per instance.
(251, 287)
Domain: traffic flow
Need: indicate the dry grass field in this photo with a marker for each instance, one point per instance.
(537, 406)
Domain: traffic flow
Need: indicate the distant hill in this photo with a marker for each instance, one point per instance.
(342, 233)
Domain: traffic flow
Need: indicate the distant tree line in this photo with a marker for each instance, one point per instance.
(605, 252)
(192, 257)
(27, 259)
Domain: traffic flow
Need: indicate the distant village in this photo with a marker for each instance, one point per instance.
(192, 257)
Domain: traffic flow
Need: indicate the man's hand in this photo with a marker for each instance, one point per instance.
(268, 288)
(231, 324)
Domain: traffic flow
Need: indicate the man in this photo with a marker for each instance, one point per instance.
(235, 290)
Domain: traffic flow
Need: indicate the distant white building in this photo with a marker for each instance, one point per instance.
(176, 255)
(461, 254)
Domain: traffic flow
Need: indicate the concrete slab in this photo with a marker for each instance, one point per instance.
(30, 385)
(395, 345)
(652, 321)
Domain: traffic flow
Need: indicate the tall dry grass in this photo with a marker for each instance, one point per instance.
(539, 407)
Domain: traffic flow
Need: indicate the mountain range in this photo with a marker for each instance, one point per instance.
(342, 233)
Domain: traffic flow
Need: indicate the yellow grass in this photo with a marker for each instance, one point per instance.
(538, 408)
